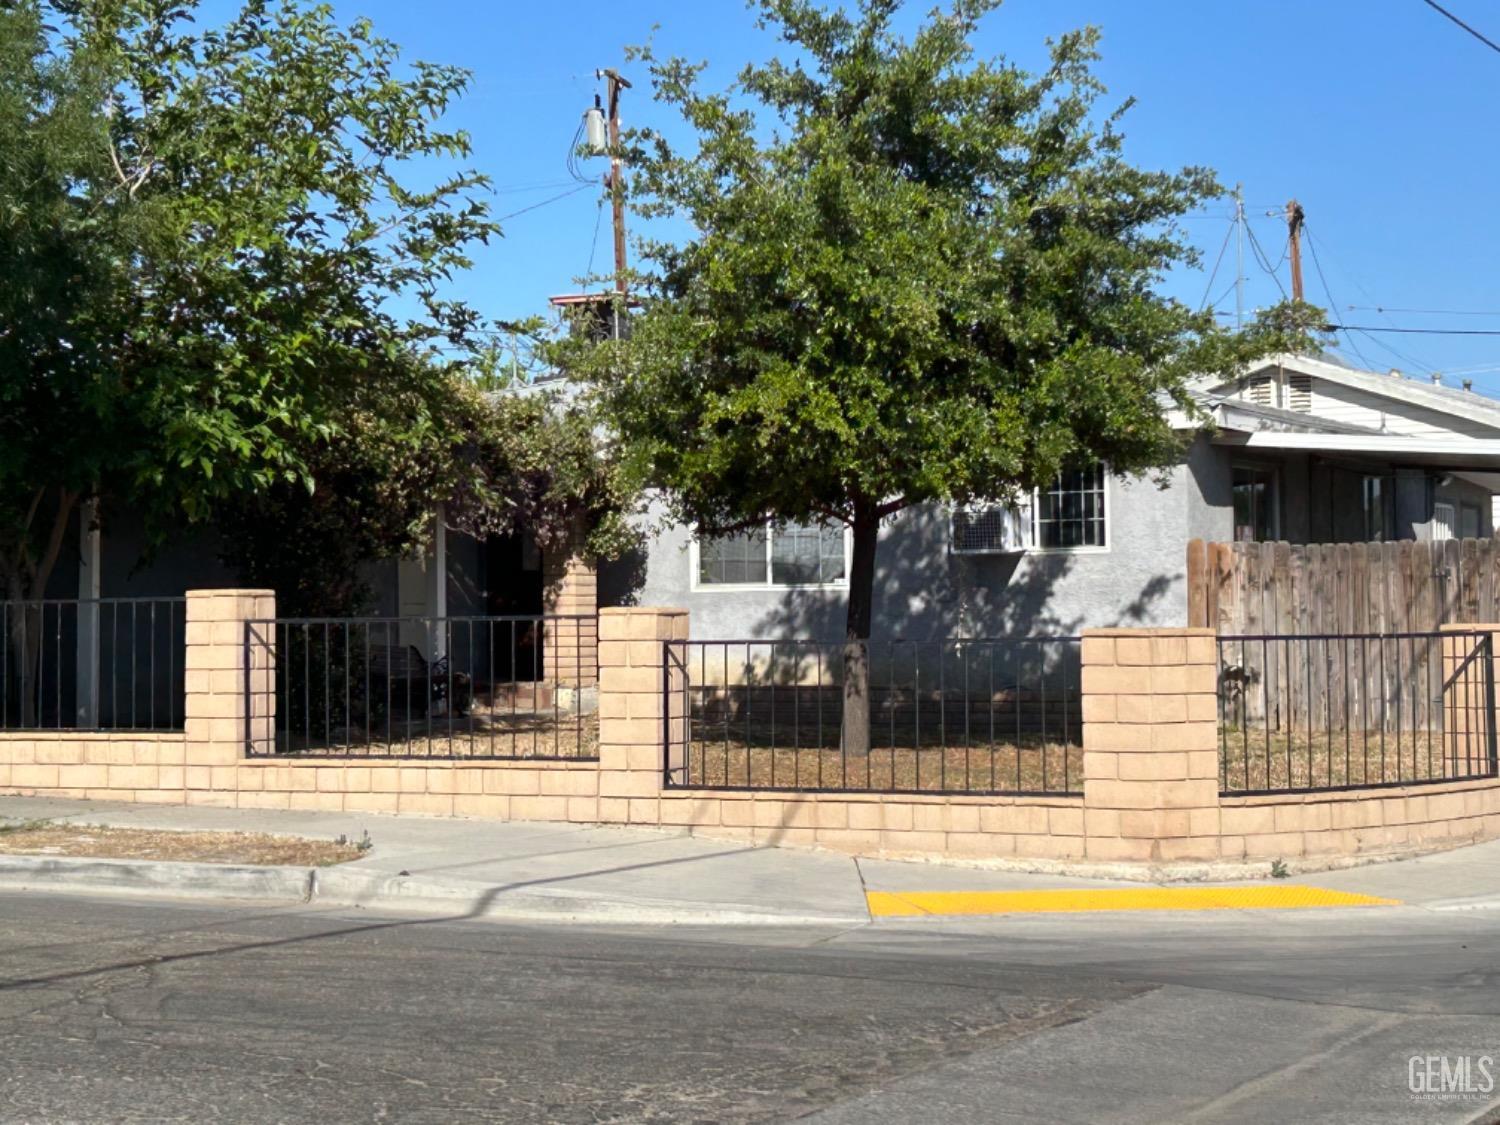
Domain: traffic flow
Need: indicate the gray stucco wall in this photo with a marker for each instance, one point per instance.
(1210, 499)
(923, 591)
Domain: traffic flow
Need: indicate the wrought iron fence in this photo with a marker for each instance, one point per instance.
(429, 687)
(1342, 711)
(92, 664)
(993, 716)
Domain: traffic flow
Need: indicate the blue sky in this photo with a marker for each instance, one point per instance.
(1375, 114)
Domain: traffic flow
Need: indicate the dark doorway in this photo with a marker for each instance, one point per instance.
(513, 567)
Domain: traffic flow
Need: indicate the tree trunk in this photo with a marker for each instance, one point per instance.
(26, 584)
(856, 724)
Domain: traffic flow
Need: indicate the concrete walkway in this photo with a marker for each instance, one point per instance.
(631, 875)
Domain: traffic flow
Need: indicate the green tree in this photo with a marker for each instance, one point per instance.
(913, 276)
(233, 201)
(499, 460)
(207, 239)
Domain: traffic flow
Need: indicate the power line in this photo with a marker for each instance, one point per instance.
(1416, 331)
(1422, 312)
(517, 189)
(543, 203)
(1410, 361)
(1264, 259)
(1488, 42)
(1400, 355)
(1228, 234)
(1327, 292)
(594, 245)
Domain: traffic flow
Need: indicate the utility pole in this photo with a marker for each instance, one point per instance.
(1239, 256)
(615, 181)
(1294, 218)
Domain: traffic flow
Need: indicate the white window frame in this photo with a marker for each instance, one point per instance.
(1031, 546)
(696, 585)
(1089, 549)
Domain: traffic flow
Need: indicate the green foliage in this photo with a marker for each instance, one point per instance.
(498, 460)
(203, 235)
(913, 276)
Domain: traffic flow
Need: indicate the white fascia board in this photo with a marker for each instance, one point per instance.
(1362, 443)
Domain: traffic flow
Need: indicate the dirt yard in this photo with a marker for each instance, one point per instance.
(43, 838)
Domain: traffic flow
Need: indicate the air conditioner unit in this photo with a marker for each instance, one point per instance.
(991, 529)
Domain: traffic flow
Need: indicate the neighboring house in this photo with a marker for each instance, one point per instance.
(1301, 449)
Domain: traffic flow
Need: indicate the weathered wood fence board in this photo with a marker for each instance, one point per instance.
(1411, 586)
(1328, 593)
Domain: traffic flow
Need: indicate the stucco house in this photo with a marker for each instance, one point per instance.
(1301, 448)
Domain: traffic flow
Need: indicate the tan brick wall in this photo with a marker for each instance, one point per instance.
(1150, 766)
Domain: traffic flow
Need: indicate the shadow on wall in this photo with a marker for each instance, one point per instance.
(925, 592)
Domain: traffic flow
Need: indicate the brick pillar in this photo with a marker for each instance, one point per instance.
(1468, 716)
(571, 591)
(226, 706)
(1150, 744)
(640, 703)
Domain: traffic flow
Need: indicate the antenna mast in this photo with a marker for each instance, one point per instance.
(1239, 255)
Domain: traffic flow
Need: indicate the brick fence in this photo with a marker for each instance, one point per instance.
(1150, 791)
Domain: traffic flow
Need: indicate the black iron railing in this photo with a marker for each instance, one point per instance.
(92, 664)
(1342, 711)
(997, 716)
(426, 687)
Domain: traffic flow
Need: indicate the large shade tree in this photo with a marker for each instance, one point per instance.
(912, 276)
(226, 257)
(213, 241)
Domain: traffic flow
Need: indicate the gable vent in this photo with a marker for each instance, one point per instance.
(1259, 391)
(990, 529)
(1299, 392)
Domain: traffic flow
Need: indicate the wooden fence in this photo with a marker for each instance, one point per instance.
(1403, 587)
(1331, 594)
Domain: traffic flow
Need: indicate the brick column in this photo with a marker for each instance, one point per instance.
(226, 704)
(1150, 744)
(571, 590)
(638, 708)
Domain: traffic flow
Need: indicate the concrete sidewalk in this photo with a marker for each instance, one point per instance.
(629, 875)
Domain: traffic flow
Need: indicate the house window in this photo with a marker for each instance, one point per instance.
(1260, 390)
(1070, 511)
(1256, 499)
(792, 555)
(1070, 514)
(1468, 519)
(1378, 499)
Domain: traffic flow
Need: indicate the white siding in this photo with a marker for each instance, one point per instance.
(1322, 398)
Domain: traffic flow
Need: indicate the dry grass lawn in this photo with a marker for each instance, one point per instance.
(523, 735)
(1050, 767)
(1257, 759)
(80, 840)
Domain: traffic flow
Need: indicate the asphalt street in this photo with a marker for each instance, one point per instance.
(137, 1010)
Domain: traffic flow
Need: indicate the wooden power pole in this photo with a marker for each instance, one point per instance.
(616, 180)
(1294, 219)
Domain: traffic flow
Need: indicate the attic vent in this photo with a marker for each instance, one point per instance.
(1299, 392)
(990, 529)
(1259, 391)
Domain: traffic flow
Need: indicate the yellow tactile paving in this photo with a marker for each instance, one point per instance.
(1293, 896)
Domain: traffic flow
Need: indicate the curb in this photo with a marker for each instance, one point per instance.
(330, 886)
